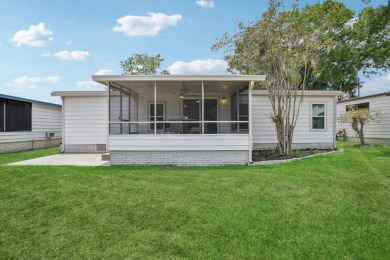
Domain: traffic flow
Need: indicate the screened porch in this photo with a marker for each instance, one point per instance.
(178, 107)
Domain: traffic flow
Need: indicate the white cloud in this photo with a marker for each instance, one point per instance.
(375, 86)
(89, 85)
(35, 80)
(35, 36)
(205, 4)
(70, 55)
(145, 25)
(28, 83)
(204, 67)
(104, 72)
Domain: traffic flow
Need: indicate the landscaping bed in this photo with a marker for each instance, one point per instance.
(272, 154)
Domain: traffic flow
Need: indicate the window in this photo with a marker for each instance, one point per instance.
(318, 116)
(365, 105)
(160, 115)
(15, 116)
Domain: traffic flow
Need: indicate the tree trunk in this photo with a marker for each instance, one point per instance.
(361, 134)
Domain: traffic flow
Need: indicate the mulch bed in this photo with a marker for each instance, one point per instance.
(272, 154)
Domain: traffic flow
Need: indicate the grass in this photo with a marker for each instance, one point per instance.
(327, 207)
(20, 156)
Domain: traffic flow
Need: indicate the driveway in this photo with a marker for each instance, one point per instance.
(83, 159)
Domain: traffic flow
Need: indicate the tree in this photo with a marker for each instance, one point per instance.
(141, 64)
(358, 118)
(363, 45)
(286, 46)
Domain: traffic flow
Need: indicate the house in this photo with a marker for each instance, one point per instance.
(186, 120)
(373, 132)
(28, 124)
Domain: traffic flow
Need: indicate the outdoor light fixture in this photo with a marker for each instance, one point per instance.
(223, 99)
(181, 93)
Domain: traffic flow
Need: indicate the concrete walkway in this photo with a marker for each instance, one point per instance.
(82, 159)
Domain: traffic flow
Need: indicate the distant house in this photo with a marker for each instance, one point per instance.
(186, 120)
(28, 124)
(373, 132)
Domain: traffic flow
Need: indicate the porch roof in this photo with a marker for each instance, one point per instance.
(151, 78)
(173, 84)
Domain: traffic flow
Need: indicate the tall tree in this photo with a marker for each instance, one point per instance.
(142, 64)
(286, 46)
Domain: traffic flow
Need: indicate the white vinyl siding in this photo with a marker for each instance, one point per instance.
(371, 130)
(45, 118)
(86, 120)
(264, 129)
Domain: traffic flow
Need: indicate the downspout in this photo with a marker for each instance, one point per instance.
(250, 121)
(63, 124)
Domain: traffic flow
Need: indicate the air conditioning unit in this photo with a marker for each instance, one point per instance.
(49, 135)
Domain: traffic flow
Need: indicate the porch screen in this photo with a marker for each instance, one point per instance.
(160, 114)
(17, 116)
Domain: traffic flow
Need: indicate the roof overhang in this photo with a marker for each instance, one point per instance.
(173, 84)
(151, 78)
(79, 93)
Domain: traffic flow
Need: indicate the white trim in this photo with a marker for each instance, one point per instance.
(250, 119)
(325, 117)
(63, 125)
(79, 93)
(106, 78)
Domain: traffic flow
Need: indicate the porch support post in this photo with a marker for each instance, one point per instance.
(238, 110)
(120, 106)
(250, 120)
(155, 107)
(202, 108)
(109, 108)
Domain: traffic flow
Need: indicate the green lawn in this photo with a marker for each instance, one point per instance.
(334, 206)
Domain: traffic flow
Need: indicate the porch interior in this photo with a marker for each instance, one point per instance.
(178, 107)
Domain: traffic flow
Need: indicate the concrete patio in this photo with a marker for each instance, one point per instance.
(67, 159)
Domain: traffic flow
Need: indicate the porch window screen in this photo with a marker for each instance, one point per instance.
(1, 115)
(318, 116)
(159, 115)
(17, 116)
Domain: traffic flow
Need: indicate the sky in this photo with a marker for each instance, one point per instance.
(50, 45)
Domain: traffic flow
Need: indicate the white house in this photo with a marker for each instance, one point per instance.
(186, 120)
(28, 124)
(373, 132)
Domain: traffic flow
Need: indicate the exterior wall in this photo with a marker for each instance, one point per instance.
(85, 123)
(184, 150)
(179, 158)
(45, 118)
(373, 132)
(264, 133)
